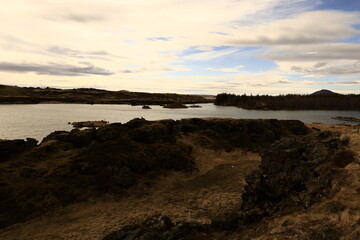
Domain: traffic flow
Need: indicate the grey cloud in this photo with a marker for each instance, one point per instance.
(320, 64)
(263, 40)
(83, 17)
(54, 69)
(320, 52)
(76, 17)
(341, 70)
(143, 69)
(65, 51)
(332, 83)
(350, 82)
(101, 55)
(128, 71)
(220, 33)
(283, 81)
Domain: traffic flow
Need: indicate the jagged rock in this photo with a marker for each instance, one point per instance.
(9, 148)
(157, 227)
(334, 207)
(343, 157)
(294, 174)
(89, 124)
(151, 133)
(69, 167)
(325, 233)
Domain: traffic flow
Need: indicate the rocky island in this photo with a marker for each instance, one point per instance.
(185, 179)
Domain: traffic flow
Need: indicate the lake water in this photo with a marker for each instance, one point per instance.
(39, 120)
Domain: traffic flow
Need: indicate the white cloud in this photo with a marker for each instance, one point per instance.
(304, 28)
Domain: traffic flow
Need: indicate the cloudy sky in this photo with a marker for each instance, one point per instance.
(183, 46)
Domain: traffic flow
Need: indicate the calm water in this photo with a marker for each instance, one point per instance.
(38, 120)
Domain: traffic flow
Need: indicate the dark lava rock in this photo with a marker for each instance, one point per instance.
(343, 157)
(69, 167)
(294, 174)
(9, 148)
(325, 233)
(146, 107)
(157, 227)
(334, 207)
(90, 124)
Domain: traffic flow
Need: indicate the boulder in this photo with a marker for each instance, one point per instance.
(9, 148)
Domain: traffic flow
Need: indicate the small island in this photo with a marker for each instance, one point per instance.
(175, 105)
(146, 107)
(89, 124)
(347, 119)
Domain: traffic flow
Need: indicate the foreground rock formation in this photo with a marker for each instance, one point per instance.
(295, 173)
(186, 179)
(70, 167)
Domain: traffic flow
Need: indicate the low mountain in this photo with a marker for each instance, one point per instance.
(324, 92)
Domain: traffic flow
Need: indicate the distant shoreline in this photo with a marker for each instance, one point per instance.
(313, 101)
(29, 95)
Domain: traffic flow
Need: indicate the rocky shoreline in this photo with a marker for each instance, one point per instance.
(300, 169)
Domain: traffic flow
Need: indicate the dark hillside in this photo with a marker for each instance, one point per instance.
(321, 100)
(13, 94)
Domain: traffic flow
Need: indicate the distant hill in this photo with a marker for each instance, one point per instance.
(320, 100)
(324, 92)
(14, 94)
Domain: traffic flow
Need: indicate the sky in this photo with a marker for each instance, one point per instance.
(182, 46)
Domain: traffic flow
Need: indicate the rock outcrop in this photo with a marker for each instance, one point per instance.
(295, 173)
(70, 167)
(158, 227)
(9, 148)
(89, 124)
